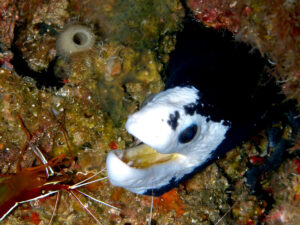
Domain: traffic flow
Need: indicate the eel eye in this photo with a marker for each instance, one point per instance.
(188, 134)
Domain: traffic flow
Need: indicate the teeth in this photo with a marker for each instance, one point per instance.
(142, 156)
(135, 172)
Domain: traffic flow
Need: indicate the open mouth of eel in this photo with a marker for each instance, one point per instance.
(143, 156)
(141, 168)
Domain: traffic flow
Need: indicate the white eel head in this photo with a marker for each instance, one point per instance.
(177, 140)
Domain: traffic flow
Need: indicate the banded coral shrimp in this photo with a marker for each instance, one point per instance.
(38, 182)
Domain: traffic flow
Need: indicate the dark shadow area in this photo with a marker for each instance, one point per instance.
(45, 78)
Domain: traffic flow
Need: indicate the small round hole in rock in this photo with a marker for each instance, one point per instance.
(80, 38)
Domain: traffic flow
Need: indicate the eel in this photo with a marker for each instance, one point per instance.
(217, 93)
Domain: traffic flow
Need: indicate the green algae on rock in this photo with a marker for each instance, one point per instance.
(271, 26)
(37, 28)
(101, 86)
(107, 70)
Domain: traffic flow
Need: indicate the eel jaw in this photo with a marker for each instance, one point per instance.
(178, 140)
(138, 169)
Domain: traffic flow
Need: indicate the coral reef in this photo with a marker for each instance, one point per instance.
(8, 17)
(287, 202)
(100, 87)
(104, 84)
(39, 21)
(272, 27)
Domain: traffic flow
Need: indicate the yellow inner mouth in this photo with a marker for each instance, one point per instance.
(143, 156)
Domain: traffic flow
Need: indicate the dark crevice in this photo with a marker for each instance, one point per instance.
(128, 97)
(45, 78)
(230, 188)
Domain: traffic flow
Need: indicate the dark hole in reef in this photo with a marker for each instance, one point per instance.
(80, 38)
(153, 222)
(45, 28)
(276, 113)
(45, 78)
(86, 145)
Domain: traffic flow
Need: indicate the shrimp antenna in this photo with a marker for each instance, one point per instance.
(151, 210)
(54, 209)
(97, 200)
(86, 182)
(29, 200)
(85, 208)
(83, 182)
(225, 214)
(152, 198)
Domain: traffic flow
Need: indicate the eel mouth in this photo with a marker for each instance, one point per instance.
(141, 168)
(143, 156)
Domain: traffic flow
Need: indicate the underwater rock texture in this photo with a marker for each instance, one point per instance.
(102, 86)
(271, 26)
(39, 21)
(8, 16)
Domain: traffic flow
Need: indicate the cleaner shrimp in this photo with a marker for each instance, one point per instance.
(38, 182)
(32, 185)
(28, 185)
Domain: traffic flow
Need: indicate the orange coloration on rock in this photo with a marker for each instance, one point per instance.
(296, 197)
(2, 145)
(256, 160)
(34, 218)
(249, 222)
(297, 163)
(170, 201)
(117, 193)
(113, 145)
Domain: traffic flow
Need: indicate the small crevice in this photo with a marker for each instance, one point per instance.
(45, 78)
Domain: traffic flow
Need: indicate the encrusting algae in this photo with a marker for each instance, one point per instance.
(270, 26)
(97, 89)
